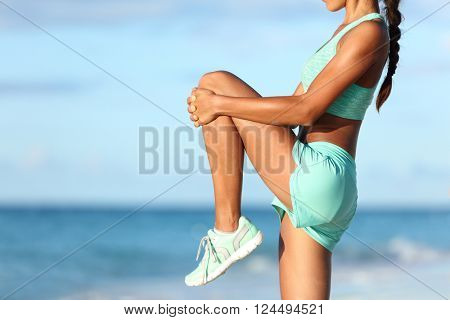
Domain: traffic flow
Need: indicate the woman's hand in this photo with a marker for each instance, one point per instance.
(201, 107)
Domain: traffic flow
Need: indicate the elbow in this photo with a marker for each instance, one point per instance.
(308, 117)
(306, 113)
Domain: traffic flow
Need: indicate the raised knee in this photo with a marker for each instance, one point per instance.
(213, 79)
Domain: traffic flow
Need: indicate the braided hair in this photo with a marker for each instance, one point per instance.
(394, 17)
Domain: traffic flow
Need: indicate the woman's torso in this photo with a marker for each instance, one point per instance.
(339, 130)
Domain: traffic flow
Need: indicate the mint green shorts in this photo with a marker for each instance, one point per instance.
(323, 191)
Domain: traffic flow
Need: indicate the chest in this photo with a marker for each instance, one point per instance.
(316, 63)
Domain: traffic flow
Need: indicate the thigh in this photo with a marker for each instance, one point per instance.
(268, 147)
(304, 265)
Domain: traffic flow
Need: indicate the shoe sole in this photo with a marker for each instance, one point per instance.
(239, 254)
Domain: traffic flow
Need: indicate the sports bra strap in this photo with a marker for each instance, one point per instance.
(347, 28)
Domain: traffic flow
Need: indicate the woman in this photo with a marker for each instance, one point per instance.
(312, 176)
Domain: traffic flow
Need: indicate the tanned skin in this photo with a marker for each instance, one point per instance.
(237, 119)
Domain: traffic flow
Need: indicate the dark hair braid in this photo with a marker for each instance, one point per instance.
(394, 18)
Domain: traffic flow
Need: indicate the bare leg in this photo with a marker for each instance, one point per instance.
(304, 264)
(226, 155)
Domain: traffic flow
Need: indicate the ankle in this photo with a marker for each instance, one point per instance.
(226, 225)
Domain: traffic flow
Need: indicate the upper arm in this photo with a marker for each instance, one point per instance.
(358, 52)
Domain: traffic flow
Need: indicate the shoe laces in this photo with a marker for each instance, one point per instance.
(206, 242)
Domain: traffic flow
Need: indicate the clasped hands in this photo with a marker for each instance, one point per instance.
(201, 106)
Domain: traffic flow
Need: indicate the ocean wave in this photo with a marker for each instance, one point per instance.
(412, 252)
(398, 249)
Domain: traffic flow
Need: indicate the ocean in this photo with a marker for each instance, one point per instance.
(388, 253)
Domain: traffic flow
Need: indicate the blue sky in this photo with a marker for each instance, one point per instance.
(70, 132)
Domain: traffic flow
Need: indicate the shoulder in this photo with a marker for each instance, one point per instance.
(366, 37)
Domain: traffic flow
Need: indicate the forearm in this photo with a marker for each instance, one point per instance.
(283, 111)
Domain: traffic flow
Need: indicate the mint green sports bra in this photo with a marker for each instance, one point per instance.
(354, 101)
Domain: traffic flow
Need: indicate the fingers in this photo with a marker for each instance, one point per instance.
(191, 99)
(192, 108)
(196, 92)
(201, 91)
(194, 118)
(193, 96)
